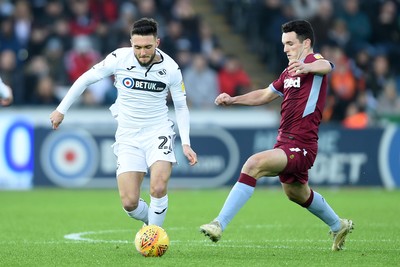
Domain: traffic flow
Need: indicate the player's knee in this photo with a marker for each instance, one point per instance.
(294, 198)
(129, 204)
(158, 190)
(252, 167)
(252, 163)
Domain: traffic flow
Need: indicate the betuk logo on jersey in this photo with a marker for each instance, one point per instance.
(145, 85)
(292, 82)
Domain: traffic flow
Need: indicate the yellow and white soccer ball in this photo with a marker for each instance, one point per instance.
(152, 241)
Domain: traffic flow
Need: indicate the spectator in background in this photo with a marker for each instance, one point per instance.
(23, 18)
(361, 63)
(82, 57)
(322, 21)
(389, 100)
(183, 56)
(339, 35)
(122, 27)
(174, 40)
(52, 10)
(105, 10)
(376, 79)
(216, 59)
(356, 117)
(6, 8)
(357, 22)
(273, 13)
(305, 9)
(79, 60)
(184, 12)
(203, 83)
(11, 75)
(232, 78)
(148, 8)
(343, 86)
(54, 55)
(8, 38)
(60, 30)
(386, 31)
(82, 21)
(45, 92)
(36, 68)
(106, 13)
(37, 40)
(208, 39)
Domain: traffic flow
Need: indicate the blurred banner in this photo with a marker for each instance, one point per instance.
(17, 153)
(79, 155)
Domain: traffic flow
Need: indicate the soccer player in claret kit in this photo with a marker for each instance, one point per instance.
(303, 86)
(144, 139)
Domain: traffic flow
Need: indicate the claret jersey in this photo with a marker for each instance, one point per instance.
(303, 102)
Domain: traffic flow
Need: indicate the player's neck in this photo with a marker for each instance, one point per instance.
(305, 54)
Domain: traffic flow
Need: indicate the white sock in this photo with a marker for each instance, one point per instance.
(140, 213)
(158, 210)
(236, 199)
(320, 208)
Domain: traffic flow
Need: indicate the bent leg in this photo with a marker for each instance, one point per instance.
(129, 190)
(266, 163)
(313, 202)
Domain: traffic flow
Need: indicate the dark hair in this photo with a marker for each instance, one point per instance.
(145, 26)
(302, 28)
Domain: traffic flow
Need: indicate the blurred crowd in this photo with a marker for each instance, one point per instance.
(45, 45)
(362, 39)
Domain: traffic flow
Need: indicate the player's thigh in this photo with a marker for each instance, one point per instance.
(129, 184)
(160, 172)
(265, 163)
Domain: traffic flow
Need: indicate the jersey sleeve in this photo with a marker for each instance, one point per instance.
(4, 92)
(178, 95)
(278, 85)
(99, 71)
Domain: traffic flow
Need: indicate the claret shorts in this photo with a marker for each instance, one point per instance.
(300, 159)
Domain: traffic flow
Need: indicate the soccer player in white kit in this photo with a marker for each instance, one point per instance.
(6, 95)
(144, 139)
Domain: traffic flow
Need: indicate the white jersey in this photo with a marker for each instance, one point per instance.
(142, 91)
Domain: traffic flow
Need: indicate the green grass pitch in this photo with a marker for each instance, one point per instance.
(59, 227)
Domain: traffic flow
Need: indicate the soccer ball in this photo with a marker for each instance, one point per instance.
(151, 241)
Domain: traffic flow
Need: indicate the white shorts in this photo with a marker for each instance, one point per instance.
(138, 149)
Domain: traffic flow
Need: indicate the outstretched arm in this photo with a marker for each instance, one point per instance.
(320, 66)
(253, 98)
(89, 77)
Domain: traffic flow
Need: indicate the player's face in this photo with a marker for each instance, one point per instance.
(292, 46)
(144, 47)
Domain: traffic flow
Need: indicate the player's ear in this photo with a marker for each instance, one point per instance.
(157, 42)
(307, 43)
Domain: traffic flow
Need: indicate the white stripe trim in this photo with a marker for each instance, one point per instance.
(313, 97)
